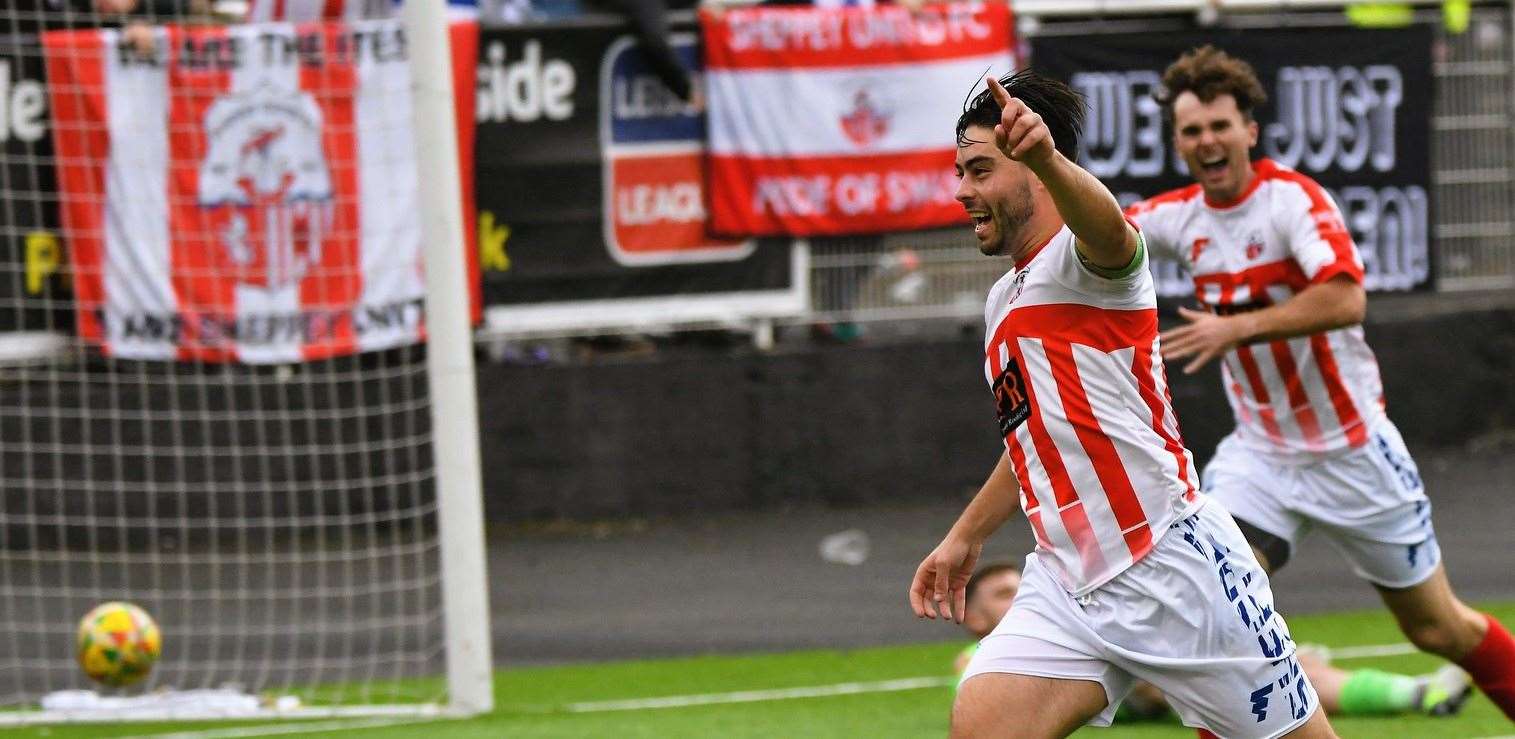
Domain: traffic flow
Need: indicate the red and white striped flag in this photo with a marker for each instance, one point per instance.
(839, 121)
(247, 195)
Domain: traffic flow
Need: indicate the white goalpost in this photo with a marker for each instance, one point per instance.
(236, 371)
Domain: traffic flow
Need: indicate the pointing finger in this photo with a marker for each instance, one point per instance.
(1001, 95)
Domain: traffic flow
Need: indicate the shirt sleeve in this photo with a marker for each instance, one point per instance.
(1318, 237)
(1116, 286)
(1157, 226)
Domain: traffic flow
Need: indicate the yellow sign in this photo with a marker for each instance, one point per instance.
(41, 260)
(492, 240)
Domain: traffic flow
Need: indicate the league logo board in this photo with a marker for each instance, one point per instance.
(653, 147)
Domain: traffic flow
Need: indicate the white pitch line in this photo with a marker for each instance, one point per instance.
(707, 699)
(884, 686)
(756, 696)
(315, 727)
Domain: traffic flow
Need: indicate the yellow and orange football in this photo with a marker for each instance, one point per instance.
(118, 643)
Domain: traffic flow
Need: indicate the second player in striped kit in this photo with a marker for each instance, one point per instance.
(1280, 282)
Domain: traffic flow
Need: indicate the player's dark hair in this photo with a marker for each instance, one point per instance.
(986, 571)
(1059, 106)
(1209, 73)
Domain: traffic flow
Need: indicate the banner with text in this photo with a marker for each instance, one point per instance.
(591, 187)
(1349, 107)
(240, 194)
(840, 121)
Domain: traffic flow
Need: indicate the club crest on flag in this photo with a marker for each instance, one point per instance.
(864, 124)
(266, 185)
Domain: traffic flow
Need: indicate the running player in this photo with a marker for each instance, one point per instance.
(1135, 574)
(1281, 284)
(1365, 692)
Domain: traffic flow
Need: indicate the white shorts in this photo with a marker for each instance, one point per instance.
(1194, 617)
(1369, 502)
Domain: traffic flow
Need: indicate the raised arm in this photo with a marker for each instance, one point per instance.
(1105, 239)
(941, 581)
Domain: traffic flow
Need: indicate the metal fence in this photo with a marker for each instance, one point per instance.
(940, 274)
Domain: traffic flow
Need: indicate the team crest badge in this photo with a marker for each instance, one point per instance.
(1254, 245)
(1017, 284)
(865, 123)
(265, 185)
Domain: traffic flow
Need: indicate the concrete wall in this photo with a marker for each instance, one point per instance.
(872, 423)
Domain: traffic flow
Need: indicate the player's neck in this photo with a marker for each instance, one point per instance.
(1039, 229)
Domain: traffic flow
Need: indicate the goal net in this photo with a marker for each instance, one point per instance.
(216, 399)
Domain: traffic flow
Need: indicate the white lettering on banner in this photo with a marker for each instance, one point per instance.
(857, 194)
(792, 196)
(884, 27)
(914, 189)
(645, 96)
(677, 202)
(852, 194)
(801, 31)
(1391, 228)
(526, 90)
(1124, 132)
(1341, 116)
(894, 28)
(23, 105)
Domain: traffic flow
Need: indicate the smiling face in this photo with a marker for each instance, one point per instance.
(1214, 138)
(994, 190)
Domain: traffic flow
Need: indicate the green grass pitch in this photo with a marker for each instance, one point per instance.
(535, 702)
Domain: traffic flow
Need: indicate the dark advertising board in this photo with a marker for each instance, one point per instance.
(32, 283)
(590, 187)
(1350, 108)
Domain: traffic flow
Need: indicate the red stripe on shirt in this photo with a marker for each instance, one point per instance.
(1069, 508)
(1033, 505)
(1259, 393)
(1101, 328)
(1182, 194)
(1258, 278)
(1341, 400)
(1328, 225)
(81, 142)
(1144, 366)
(1299, 402)
(1100, 450)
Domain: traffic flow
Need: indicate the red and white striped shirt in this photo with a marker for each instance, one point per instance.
(1072, 359)
(1308, 394)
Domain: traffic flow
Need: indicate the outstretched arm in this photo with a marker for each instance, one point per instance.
(1105, 239)
(941, 580)
(1337, 302)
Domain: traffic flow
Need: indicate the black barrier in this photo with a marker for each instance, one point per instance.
(1349, 107)
(590, 174)
(31, 253)
(871, 424)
